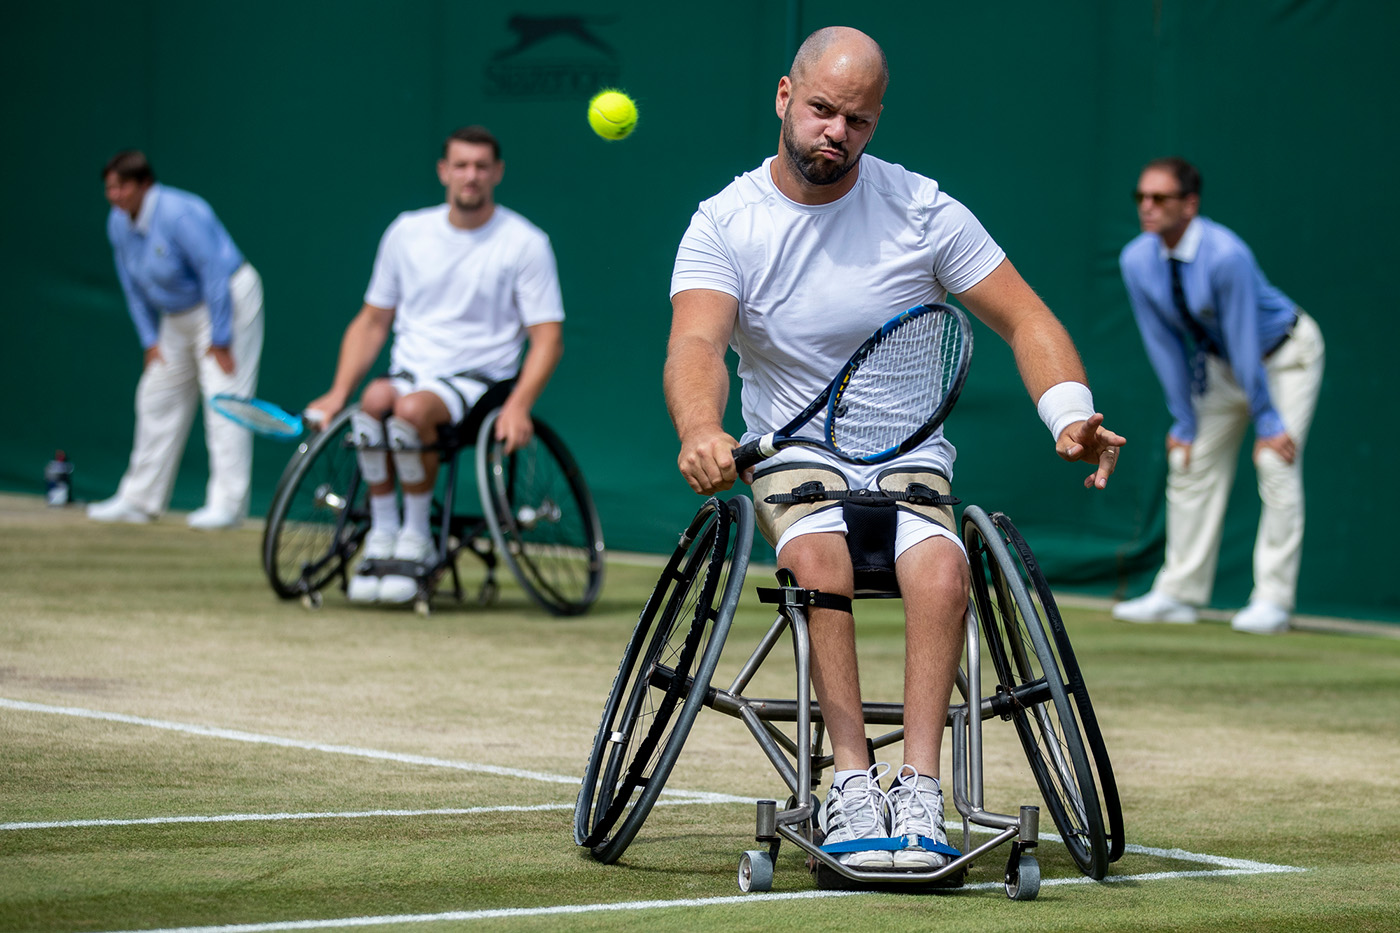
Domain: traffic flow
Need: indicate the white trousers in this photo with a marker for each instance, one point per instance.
(1198, 492)
(171, 387)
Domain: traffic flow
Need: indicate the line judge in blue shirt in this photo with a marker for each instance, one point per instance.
(1230, 350)
(198, 310)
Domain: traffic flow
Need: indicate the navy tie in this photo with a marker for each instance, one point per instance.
(1199, 338)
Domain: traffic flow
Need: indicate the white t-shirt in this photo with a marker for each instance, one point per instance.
(463, 298)
(813, 282)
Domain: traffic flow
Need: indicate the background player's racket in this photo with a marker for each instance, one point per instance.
(893, 392)
(261, 417)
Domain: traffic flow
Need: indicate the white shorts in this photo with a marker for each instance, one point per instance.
(910, 531)
(458, 393)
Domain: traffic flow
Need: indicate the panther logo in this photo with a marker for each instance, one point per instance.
(532, 30)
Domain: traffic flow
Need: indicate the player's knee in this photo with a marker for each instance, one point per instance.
(378, 398)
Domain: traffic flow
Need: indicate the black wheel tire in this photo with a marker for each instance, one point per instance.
(542, 518)
(319, 515)
(1029, 674)
(663, 678)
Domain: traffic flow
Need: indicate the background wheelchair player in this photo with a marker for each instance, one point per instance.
(463, 286)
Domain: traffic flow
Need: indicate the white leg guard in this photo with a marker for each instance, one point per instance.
(407, 447)
(369, 433)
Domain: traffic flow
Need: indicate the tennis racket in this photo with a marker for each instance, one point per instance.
(893, 392)
(262, 417)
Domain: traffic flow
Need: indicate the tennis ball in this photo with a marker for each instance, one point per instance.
(612, 114)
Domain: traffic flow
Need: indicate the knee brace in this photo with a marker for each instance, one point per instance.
(369, 448)
(407, 448)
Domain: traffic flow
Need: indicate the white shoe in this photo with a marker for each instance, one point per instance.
(379, 545)
(411, 546)
(210, 518)
(856, 811)
(117, 509)
(1155, 607)
(1261, 617)
(917, 803)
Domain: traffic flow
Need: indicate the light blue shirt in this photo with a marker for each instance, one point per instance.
(1228, 295)
(172, 257)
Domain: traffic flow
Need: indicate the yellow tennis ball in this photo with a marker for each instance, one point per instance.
(612, 114)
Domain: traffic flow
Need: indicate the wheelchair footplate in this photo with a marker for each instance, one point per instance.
(904, 880)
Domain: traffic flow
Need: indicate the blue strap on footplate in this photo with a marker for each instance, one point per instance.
(892, 844)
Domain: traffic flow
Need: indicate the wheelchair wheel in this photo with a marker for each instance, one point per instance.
(542, 518)
(1049, 615)
(1032, 691)
(319, 514)
(663, 678)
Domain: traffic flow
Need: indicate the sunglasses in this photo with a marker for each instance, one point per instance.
(1155, 197)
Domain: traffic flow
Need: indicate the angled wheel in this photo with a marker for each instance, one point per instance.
(1032, 691)
(1049, 617)
(319, 515)
(542, 518)
(664, 675)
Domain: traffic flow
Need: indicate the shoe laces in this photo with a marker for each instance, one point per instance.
(860, 807)
(917, 809)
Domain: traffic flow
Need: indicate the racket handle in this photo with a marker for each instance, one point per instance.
(755, 451)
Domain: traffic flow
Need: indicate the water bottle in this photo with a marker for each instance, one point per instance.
(58, 479)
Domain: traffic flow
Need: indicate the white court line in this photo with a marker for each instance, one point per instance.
(279, 817)
(1227, 866)
(240, 736)
(459, 916)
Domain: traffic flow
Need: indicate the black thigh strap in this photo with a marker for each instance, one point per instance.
(803, 598)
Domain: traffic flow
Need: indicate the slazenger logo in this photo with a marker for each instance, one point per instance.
(553, 56)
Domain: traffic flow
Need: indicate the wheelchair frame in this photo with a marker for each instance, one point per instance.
(529, 499)
(665, 675)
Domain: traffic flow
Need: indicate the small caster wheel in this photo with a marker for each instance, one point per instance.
(423, 607)
(488, 593)
(1023, 878)
(755, 871)
(311, 600)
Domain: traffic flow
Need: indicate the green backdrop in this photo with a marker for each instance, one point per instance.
(308, 126)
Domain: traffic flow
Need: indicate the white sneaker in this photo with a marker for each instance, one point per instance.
(917, 802)
(1261, 617)
(117, 509)
(379, 545)
(855, 811)
(1155, 607)
(210, 518)
(411, 546)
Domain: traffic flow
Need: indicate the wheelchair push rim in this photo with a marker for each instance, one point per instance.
(541, 518)
(663, 678)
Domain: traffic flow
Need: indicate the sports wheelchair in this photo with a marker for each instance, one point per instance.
(1034, 682)
(537, 516)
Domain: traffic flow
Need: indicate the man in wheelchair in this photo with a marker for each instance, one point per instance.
(463, 287)
(793, 265)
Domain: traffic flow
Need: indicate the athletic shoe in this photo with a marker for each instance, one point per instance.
(118, 510)
(379, 545)
(857, 810)
(1155, 607)
(1261, 617)
(210, 518)
(411, 546)
(917, 802)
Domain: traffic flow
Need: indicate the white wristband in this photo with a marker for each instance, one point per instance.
(1064, 404)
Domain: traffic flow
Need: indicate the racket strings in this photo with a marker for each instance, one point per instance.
(898, 386)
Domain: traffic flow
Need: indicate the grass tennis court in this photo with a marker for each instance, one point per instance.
(181, 750)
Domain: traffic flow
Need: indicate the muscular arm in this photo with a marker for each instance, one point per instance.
(696, 381)
(1045, 356)
(359, 348)
(546, 349)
